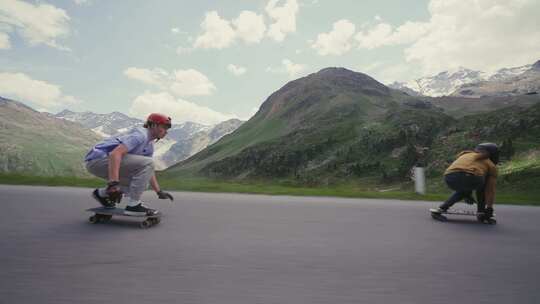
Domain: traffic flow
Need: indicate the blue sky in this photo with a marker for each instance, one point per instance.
(208, 61)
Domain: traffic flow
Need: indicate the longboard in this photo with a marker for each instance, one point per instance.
(438, 215)
(103, 215)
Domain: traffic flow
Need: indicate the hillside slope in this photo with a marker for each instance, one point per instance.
(35, 143)
(337, 124)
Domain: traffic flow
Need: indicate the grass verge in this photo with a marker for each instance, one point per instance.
(436, 192)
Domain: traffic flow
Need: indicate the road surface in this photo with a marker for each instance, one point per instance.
(236, 248)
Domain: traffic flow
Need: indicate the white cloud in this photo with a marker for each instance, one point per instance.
(191, 83)
(178, 109)
(180, 83)
(35, 23)
(483, 35)
(218, 32)
(21, 87)
(284, 18)
(249, 27)
(293, 69)
(408, 32)
(157, 77)
(4, 41)
(383, 34)
(236, 70)
(288, 67)
(375, 37)
(336, 42)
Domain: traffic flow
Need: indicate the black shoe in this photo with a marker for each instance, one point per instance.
(139, 209)
(105, 202)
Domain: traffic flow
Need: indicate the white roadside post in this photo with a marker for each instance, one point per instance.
(419, 180)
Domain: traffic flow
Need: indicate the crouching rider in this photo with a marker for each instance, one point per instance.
(125, 161)
(474, 171)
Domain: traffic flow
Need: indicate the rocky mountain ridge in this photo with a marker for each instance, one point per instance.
(469, 83)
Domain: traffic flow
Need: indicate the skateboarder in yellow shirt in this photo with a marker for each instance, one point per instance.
(474, 171)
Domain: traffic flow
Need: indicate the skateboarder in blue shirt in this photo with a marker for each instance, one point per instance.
(126, 162)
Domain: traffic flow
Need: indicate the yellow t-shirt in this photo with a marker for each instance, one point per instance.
(474, 163)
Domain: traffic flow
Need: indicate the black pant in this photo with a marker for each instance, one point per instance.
(464, 184)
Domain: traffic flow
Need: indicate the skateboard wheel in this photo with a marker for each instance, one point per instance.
(146, 224)
(93, 219)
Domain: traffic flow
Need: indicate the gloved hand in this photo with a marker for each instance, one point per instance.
(113, 192)
(164, 195)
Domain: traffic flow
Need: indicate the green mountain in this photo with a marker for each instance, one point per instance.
(337, 124)
(34, 143)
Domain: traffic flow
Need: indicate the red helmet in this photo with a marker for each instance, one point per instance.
(158, 119)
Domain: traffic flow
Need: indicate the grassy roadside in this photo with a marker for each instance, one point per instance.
(399, 191)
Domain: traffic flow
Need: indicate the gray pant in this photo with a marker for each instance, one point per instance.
(135, 173)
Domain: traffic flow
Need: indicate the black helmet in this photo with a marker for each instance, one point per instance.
(492, 149)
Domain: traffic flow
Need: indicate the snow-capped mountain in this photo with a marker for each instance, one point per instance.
(506, 82)
(182, 140)
(464, 82)
(190, 145)
(506, 73)
(104, 125)
(442, 84)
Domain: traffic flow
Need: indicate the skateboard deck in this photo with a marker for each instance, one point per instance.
(103, 215)
(436, 214)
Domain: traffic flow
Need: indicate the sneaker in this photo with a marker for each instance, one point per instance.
(105, 202)
(441, 210)
(139, 209)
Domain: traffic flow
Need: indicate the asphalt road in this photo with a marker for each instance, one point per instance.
(232, 248)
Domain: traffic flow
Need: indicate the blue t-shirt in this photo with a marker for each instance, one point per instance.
(136, 141)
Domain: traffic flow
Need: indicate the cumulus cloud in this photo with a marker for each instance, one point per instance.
(157, 77)
(180, 110)
(20, 86)
(191, 83)
(217, 32)
(180, 83)
(483, 35)
(249, 27)
(383, 34)
(284, 18)
(236, 70)
(288, 67)
(36, 23)
(336, 42)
